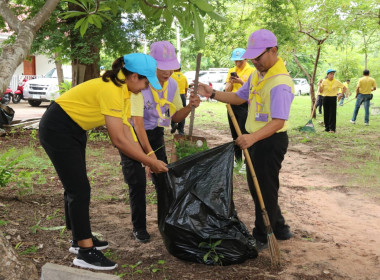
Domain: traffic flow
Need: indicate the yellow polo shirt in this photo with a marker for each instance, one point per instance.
(365, 84)
(242, 73)
(181, 81)
(330, 88)
(89, 102)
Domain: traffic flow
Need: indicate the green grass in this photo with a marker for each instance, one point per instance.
(355, 146)
(211, 114)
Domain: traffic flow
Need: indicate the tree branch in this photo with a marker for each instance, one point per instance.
(9, 17)
(300, 66)
(39, 19)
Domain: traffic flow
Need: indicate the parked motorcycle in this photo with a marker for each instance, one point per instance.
(18, 94)
(6, 98)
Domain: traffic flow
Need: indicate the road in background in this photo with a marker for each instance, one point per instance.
(24, 111)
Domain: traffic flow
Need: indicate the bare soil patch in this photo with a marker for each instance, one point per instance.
(336, 228)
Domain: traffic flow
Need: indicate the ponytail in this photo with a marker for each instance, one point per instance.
(118, 65)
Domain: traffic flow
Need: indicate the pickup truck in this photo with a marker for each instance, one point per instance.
(45, 89)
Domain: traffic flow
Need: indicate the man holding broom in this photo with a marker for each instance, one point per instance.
(269, 92)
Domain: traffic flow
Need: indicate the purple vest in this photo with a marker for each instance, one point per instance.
(151, 117)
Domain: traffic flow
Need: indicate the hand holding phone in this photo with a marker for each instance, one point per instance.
(234, 75)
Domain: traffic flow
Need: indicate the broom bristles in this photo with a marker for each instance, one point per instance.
(274, 250)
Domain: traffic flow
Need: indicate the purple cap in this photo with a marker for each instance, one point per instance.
(164, 53)
(258, 42)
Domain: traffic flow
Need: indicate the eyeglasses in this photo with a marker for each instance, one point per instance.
(259, 57)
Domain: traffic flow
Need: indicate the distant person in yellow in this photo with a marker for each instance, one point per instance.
(364, 90)
(236, 77)
(183, 86)
(329, 91)
(342, 96)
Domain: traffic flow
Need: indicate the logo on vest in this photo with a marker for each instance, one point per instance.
(148, 106)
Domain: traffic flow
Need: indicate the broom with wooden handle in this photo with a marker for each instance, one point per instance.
(272, 241)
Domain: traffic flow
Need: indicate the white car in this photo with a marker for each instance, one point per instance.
(45, 89)
(190, 75)
(216, 79)
(301, 86)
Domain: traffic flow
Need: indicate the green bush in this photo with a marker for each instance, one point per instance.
(186, 148)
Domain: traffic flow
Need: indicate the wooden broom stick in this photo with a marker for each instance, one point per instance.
(272, 241)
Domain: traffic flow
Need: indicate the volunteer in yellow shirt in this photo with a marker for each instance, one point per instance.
(62, 132)
(342, 96)
(269, 92)
(183, 85)
(364, 90)
(236, 77)
(329, 91)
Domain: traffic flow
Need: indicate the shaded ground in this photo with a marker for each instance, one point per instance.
(336, 228)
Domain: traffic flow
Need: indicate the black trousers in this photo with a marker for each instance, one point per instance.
(134, 176)
(267, 156)
(329, 112)
(241, 113)
(319, 103)
(181, 125)
(65, 143)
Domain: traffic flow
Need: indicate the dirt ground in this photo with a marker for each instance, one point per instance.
(336, 228)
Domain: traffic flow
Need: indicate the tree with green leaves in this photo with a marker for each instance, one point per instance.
(91, 23)
(93, 20)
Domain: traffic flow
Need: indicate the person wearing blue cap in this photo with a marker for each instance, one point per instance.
(329, 91)
(102, 70)
(62, 132)
(236, 77)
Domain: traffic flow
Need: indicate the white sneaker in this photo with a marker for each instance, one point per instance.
(351, 121)
(366, 124)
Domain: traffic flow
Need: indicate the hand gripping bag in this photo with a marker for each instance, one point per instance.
(195, 207)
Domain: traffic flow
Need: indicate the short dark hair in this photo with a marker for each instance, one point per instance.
(348, 80)
(366, 72)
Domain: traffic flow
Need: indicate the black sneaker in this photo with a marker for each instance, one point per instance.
(261, 245)
(141, 235)
(284, 233)
(174, 128)
(98, 244)
(94, 259)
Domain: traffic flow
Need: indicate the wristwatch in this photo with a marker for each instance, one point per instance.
(213, 93)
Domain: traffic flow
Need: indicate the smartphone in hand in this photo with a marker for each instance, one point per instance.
(234, 75)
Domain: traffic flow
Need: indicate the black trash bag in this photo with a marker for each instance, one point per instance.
(6, 114)
(195, 207)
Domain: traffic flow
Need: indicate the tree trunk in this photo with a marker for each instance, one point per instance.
(13, 55)
(58, 66)
(11, 267)
(310, 78)
(86, 51)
